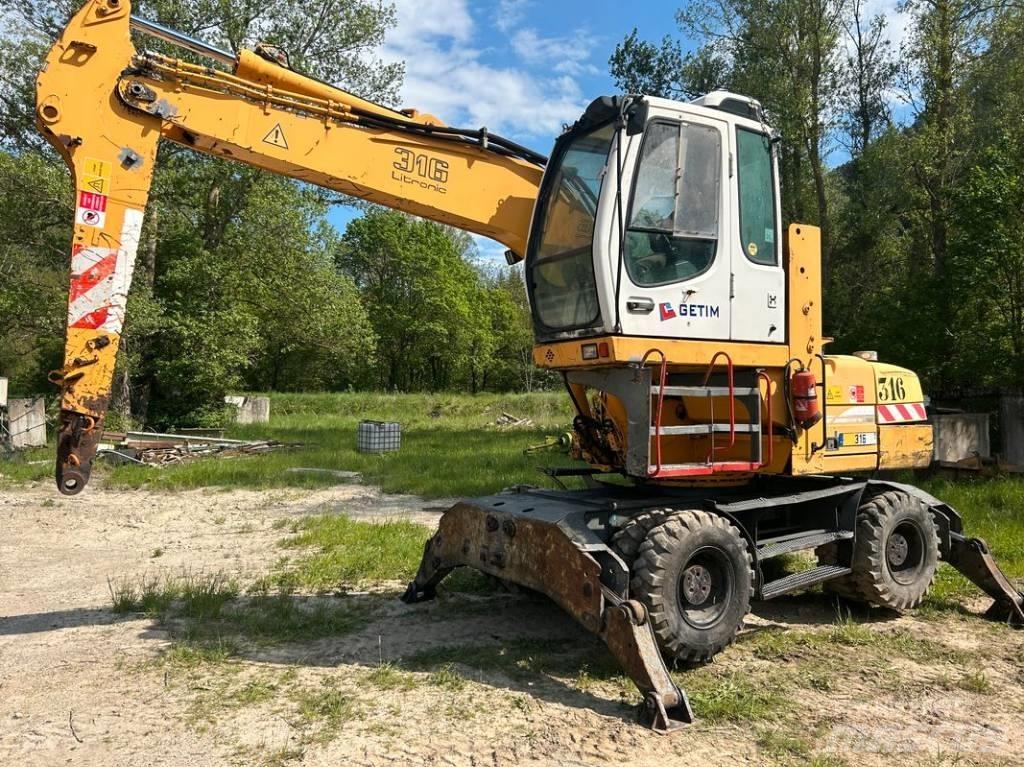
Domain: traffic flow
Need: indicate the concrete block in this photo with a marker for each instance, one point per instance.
(250, 409)
(26, 421)
(1011, 426)
(960, 435)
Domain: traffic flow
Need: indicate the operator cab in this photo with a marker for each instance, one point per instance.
(698, 199)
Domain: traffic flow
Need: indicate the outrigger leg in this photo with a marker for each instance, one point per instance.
(971, 556)
(535, 541)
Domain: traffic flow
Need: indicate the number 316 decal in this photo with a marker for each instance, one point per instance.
(891, 389)
(420, 170)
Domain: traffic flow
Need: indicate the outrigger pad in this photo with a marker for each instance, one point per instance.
(628, 634)
(971, 556)
(533, 540)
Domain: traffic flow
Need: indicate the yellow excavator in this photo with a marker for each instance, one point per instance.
(685, 322)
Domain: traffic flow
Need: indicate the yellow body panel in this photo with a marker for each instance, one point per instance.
(905, 447)
(850, 422)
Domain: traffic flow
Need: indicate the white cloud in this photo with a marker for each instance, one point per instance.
(448, 74)
(510, 13)
(570, 55)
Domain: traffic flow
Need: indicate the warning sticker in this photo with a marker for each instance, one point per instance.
(276, 137)
(92, 209)
(96, 184)
(834, 394)
(94, 167)
(92, 201)
(90, 217)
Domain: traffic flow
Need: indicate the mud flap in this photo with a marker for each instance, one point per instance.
(536, 552)
(971, 556)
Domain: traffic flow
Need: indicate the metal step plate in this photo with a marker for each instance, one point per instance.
(802, 542)
(803, 580)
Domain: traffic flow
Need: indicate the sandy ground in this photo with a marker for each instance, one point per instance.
(77, 685)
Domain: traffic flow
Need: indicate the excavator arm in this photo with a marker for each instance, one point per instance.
(105, 107)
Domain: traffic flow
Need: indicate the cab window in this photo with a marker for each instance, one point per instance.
(757, 197)
(561, 265)
(673, 227)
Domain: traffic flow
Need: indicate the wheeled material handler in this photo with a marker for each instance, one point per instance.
(685, 321)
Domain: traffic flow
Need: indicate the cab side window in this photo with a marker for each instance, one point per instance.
(672, 233)
(757, 197)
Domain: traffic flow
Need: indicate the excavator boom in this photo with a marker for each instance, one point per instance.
(105, 107)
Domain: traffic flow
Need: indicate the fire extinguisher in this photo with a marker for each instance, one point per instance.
(803, 389)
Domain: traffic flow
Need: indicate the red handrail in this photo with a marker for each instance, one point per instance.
(732, 404)
(661, 402)
(763, 376)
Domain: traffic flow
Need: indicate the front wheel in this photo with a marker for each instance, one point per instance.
(897, 551)
(695, 575)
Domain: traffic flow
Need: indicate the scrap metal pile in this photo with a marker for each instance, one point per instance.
(156, 449)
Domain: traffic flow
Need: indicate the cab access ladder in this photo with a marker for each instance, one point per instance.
(750, 397)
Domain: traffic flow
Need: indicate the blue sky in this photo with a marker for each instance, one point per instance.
(520, 67)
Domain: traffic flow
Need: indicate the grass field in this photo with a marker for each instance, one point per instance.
(449, 446)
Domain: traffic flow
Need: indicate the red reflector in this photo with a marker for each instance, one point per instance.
(602, 349)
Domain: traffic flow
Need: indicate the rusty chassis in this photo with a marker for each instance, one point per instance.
(557, 543)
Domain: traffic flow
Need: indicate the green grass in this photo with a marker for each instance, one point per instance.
(199, 596)
(388, 676)
(844, 636)
(326, 706)
(734, 697)
(352, 552)
(345, 552)
(30, 465)
(448, 447)
(993, 509)
(211, 620)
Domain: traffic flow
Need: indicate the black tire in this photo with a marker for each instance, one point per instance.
(627, 540)
(695, 575)
(897, 551)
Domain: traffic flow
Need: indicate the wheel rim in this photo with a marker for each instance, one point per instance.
(904, 552)
(705, 586)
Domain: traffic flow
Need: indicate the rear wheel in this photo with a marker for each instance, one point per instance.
(897, 551)
(694, 573)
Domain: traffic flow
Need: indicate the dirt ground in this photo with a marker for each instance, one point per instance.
(82, 685)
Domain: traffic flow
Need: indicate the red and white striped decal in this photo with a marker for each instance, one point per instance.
(100, 279)
(901, 413)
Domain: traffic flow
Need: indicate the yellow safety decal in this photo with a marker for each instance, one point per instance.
(94, 167)
(95, 184)
(276, 137)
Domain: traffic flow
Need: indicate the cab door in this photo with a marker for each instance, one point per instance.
(758, 277)
(677, 244)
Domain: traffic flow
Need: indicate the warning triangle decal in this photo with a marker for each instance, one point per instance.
(276, 137)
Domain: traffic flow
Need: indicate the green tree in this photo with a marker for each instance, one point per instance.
(422, 298)
(35, 228)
